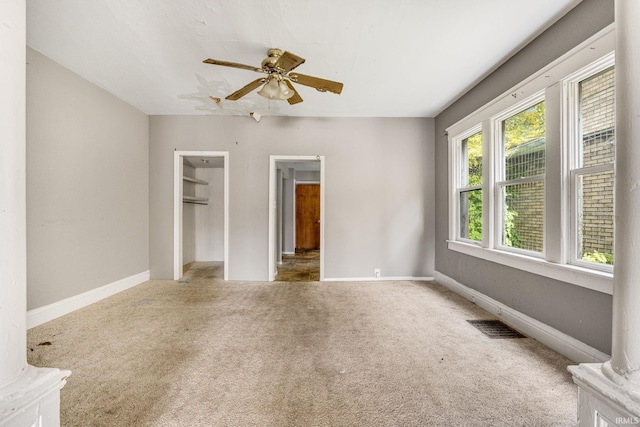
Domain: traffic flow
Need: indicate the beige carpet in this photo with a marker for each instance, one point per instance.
(214, 353)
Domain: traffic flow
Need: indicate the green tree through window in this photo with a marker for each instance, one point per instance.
(524, 157)
(471, 197)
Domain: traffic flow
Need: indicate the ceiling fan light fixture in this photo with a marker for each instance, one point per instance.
(285, 91)
(275, 88)
(270, 90)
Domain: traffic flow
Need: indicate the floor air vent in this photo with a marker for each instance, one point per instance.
(495, 329)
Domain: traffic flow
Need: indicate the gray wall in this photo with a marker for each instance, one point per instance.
(379, 189)
(209, 226)
(307, 176)
(578, 312)
(87, 185)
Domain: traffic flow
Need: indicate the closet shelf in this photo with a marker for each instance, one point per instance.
(195, 200)
(194, 180)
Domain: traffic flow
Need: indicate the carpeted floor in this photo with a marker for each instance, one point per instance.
(206, 352)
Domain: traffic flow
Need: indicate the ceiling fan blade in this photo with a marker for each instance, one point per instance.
(316, 82)
(245, 90)
(296, 98)
(233, 65)
(288, 61)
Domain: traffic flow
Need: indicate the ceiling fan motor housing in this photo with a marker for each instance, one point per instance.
(269, 63)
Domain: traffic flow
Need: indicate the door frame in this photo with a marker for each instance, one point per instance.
(178, 170)
(273, 206)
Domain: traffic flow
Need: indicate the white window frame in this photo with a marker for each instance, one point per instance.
(500, 181)
(548, 82)
(459, 189)
(571, 109)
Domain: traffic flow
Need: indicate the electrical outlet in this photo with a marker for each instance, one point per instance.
(376, 272)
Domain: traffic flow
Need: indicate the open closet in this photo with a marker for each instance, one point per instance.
(201, 213)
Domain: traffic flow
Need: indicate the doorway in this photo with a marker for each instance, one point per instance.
(191, 193)
(286, 233)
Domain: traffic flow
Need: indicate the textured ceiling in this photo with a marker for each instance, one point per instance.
(408, 58)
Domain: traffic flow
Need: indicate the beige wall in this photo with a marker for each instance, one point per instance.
(87, 185)
(379, 189)
(209, 219)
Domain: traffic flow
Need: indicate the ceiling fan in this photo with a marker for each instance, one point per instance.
(278, 67)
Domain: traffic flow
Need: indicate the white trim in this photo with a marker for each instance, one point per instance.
(377, 279)
(177, 207)
(455, 154)
(294, 232)
(272, 208)
(554, 187)
(33, 397)
(517, 105)
(227, 172)
(273, 160)
(489, 190)
(604, 396)
(322, 211)
(564, 344)
(44, 314)
(178, 172)
(596, 280)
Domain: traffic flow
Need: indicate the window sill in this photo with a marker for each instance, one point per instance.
(584, 277)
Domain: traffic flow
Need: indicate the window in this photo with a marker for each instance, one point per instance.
(470, 188)
(521, 179)
(531, 173)
(592, 163)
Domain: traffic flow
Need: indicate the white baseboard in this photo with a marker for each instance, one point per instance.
(571, 348)
(375, 279)
(41, 315)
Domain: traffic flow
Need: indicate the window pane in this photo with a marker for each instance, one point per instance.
(523, 216)
(471, 215)
(597, 119)
(595, 217)
(472, 160)
(524, 143)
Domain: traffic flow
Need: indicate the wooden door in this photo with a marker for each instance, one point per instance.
(308, 216)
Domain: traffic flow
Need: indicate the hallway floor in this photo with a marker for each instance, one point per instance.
(303, 266)
(203, 270)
